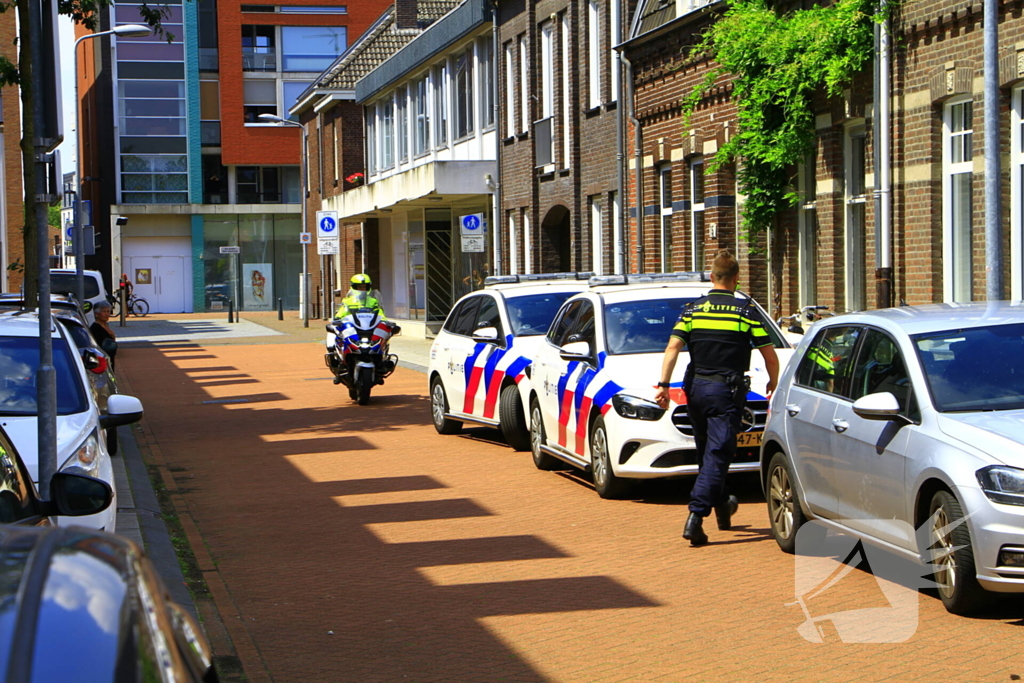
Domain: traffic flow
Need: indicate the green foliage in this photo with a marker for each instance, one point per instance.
(53, 219)
(778, 63)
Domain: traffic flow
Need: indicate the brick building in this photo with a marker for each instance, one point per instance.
(174, 142)
(12, 199)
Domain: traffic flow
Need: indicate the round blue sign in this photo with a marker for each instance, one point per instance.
(70, 232)
(470, 222)
(328, 224)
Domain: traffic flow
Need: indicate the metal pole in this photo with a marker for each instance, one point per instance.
(79, 245)
(280, 308)
(231, 310)
(305, 247)
(46, 377)
(993, 175)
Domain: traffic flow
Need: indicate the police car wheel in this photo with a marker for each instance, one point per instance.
(784, 512)
(438, 409)
(952, 556)
(606, 483)
(538, 438)
(513, 422)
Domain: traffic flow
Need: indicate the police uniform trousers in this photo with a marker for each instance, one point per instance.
(716, 417)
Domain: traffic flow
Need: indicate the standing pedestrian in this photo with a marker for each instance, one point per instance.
(719, 331)
(101, 330)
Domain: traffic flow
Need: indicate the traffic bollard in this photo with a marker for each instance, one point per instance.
(231, 311)
(280, 309)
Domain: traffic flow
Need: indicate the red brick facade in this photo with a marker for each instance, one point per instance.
(14, 206)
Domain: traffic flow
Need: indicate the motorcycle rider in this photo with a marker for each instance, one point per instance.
(359, 296)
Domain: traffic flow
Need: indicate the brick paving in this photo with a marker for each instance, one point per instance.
(348, 543)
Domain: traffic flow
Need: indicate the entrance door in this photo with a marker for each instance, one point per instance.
(160, 280)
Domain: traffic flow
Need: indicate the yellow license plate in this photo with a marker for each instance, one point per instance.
(749, 439)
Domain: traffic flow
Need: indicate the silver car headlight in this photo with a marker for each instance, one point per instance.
(636, 408)
(1002, 484)
(86, 457)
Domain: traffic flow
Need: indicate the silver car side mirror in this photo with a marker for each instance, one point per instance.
(880, 406)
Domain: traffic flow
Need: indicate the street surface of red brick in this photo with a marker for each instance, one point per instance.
(349, 543)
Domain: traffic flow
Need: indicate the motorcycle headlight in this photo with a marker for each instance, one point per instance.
(1003, 484)
(85, 456)
(636, 408)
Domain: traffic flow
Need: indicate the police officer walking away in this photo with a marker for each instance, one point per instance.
(718, 330)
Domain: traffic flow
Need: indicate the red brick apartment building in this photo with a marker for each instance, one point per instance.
(12, 200)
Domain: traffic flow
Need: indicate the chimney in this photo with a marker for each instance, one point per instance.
(405, 14)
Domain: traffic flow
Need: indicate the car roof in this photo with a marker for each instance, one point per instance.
(939, 317)
(523, 288)
(21, 324)
(72, 271)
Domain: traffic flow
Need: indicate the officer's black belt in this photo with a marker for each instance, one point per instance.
(717, 377)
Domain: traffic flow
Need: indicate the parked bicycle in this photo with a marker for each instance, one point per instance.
(137, 306)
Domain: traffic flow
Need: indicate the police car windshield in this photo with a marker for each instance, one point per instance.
(641, 326)
(531, 315)
(974, 369)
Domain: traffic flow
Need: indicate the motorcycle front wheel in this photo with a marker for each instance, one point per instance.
(364, 381)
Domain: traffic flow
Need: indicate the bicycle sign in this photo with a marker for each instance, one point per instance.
(327, 224)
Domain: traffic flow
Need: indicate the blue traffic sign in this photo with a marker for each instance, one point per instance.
(471, 223)
(328, 224)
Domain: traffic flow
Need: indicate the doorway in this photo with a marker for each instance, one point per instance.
(160, 270)
(556, 241)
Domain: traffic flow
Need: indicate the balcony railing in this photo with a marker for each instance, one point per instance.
(543, 141)
(259, 61)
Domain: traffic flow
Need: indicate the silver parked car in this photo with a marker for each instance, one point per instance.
(892, 425)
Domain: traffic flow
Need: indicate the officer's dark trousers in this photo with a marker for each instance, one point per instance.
(716, 419)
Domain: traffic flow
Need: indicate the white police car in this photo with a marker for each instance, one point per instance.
(593, 383)
(79, 422)
(478, 359)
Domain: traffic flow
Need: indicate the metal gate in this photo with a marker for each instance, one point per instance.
(440, 278)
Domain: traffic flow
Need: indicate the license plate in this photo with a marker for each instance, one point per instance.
(749, 439)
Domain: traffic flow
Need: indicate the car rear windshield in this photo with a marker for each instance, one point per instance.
(65, 283)
(19, 360)
(531, 315)
(974, 369)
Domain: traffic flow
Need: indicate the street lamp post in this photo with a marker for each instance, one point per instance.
(271, 118)
(125, 31)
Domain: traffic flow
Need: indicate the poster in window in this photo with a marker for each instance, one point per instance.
(143, 276)
(257, 286)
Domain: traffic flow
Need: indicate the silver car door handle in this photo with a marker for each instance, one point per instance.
(840, 425)
(793, 409)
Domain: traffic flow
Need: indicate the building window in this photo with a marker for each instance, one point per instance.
(547, 70)
(290, 91)
(616, 233)
(807, 230)
(441, 100)
(1017, 190)
(403, 124)
(267, 185)
(422, 105)
(593, 54)
(259, 48)
(371, 139)
(524, 92)
(510, 92)
(596, 234)
(697, 192)
(527, 243)
(486, 50)
(566, 118)
(856, 215)
(311, 48)
(215, 180)
(613, 58)
(463, 74)
(665, 216)
(958, 177)
(209, 113)
(259, 97)
(513, 244)
(386, 110)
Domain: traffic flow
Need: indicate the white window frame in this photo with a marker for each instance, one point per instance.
(513, 244)
(953, 288)
(854, 236)
(1017, 194)
(616, 232)
(485, 70)
(547, 69)
(593, 54)
(566, 113)
(421, 109)
(665, 217)
(386, 114)
(524, 85)
(614, 33)
(442, 119)
(596, 205)
(807, 234)
(697, 211)
(402, 147)
(527, 243)
(510, 91)
(371, 139)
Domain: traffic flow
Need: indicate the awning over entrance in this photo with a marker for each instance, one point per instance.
(420, 187)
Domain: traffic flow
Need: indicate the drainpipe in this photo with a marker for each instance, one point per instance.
(498, 219)
(882, 131)
(620, 170)
(638, 157)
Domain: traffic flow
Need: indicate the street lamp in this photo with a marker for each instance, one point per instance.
(271, 118)
(125, 31)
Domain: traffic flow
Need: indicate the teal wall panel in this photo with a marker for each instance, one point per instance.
(198, 265)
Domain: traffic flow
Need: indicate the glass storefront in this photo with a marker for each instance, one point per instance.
(267, 267)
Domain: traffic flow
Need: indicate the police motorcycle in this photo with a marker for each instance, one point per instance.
(358, 353)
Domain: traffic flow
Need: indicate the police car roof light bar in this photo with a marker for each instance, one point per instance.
(534, 277)
(649, 278)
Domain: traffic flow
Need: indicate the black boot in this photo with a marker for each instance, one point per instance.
(724, 512)
(694, 530)
(337, 379)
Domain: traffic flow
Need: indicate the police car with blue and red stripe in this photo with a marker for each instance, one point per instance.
(478, 361)
(593, 382)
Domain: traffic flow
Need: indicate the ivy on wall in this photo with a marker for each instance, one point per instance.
(778, 63)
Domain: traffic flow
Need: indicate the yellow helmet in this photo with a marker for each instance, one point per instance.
(361, 279)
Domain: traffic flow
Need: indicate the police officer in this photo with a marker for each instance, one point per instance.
(718, 330)
(359, 296)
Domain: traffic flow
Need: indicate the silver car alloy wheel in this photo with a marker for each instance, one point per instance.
(536, 439)
(437, 404)
(943, 553)
(599, 452)
(780, 502)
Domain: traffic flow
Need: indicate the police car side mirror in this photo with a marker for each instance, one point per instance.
(486, 335)
(575, 351)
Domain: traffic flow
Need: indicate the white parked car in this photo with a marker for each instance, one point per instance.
(904, 427)
(478, 359)
(594, 378)
(79, 422)
(63, 281)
